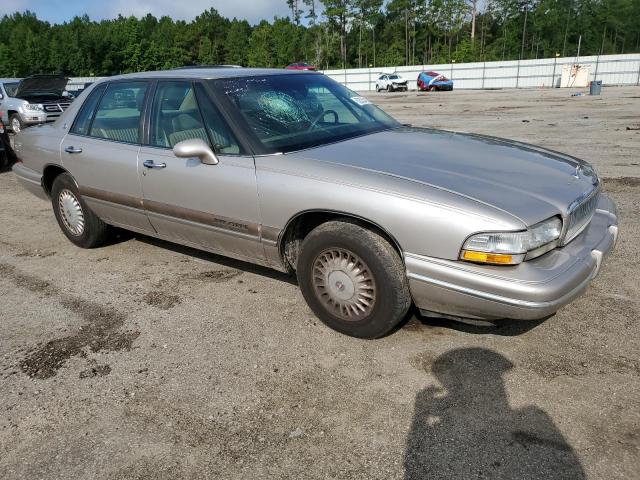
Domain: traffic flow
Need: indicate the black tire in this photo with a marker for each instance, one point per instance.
(94, 231)
(389, 88)
(381, 265)
(15, 118)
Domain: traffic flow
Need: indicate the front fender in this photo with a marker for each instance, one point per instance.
(423, 220)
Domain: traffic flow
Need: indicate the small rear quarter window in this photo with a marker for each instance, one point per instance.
(83, 119)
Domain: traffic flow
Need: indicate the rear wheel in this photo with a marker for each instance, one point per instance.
(353, 279)
(377, 88)
(76, 220)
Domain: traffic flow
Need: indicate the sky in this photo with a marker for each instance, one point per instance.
(58, 11)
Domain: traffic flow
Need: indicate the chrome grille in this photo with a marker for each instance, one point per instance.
(56, 107)
(580, 214)
(54, 110)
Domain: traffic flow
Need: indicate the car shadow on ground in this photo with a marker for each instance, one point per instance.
(467, 429)
(210, 257)
(504, 327)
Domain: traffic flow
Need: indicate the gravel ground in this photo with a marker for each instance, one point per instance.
(145, 359)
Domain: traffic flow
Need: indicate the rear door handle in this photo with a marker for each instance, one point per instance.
(152, 164)
(72, 149)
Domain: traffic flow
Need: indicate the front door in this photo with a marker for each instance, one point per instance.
(101, 153)
(210, 206)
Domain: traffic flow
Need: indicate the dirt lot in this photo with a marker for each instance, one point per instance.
(148, 360)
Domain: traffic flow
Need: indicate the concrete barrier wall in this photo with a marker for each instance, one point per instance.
(543, 72)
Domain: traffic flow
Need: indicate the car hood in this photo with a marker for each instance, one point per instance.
(41, 84)
(528, 182)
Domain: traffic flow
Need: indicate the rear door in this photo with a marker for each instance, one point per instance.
(101, 152)
(214, 207)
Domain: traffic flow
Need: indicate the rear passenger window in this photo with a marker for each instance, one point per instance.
(118, 115)
(175, 116)
(83, 119)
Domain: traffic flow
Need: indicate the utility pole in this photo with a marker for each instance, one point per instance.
(473, 20)
(524, 30)
(579, 43)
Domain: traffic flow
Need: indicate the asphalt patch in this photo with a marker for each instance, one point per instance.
(100, 332)
(161, 300)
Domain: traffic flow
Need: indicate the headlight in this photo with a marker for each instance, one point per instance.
(510, 248)
(34, 107)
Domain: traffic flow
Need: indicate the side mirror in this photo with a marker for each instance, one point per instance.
(195, 147)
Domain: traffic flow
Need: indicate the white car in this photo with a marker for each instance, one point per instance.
(391, 82)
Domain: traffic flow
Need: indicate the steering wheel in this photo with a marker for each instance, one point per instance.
(322, 115)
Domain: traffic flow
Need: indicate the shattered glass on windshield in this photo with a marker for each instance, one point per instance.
(290, 112)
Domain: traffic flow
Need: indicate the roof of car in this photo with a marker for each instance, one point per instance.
(209, 73)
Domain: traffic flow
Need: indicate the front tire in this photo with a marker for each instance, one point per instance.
(353, 279)
(16, 123)
(76, 220)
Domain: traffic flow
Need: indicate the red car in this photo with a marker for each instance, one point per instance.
(300, 66)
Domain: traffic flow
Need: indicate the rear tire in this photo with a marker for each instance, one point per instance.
(353, 279)
(76, 220)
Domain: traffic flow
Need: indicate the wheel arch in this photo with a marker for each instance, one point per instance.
(303, 222)
(49, 174)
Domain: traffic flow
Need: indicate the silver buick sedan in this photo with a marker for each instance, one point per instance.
(293, 171)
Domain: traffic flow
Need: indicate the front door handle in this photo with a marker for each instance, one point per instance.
(72, 149)
(152, 164)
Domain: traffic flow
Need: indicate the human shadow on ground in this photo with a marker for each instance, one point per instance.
(469, 430)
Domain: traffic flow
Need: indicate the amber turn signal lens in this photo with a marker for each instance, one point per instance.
(483, 257)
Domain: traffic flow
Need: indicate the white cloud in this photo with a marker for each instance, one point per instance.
(60, 10)
(11, 6)
(252, 10)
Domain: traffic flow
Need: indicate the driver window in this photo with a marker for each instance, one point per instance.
(222, 138)
(175, 116)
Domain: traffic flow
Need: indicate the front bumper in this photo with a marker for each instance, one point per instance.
(531, 290)
(33, 118)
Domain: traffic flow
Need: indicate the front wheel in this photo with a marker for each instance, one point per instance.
(76, 220)
(16, 123)
(353, 279)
